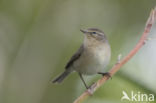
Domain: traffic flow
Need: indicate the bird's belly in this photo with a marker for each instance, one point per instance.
(92, 63)
(90, 68)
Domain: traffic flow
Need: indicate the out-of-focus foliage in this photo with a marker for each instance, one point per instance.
(37, 37)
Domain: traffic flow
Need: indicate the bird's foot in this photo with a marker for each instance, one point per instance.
(105, 74)
(91, 88)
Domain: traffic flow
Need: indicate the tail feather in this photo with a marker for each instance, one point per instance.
(61, 77)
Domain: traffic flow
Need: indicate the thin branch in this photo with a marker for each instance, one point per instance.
(118, 65)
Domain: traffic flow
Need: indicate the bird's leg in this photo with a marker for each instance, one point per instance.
(83, 81)
(105, 74)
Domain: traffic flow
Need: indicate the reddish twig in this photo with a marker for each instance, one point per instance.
(117, 66)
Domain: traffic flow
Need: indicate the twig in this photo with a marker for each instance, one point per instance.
(117, 66)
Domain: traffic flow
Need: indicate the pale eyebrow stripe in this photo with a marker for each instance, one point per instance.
(99, 33)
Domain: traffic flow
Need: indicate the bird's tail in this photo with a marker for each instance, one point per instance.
(61, 77)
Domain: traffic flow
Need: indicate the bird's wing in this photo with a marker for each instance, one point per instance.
(75, 57)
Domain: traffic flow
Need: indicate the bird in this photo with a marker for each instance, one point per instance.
(91, 58)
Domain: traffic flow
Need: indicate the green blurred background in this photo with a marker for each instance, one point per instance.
(37, 37)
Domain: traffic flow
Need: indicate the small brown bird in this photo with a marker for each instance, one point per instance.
(91, 58)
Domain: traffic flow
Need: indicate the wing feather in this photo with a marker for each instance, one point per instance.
(74, 57)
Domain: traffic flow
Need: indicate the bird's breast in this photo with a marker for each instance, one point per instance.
(93, 60)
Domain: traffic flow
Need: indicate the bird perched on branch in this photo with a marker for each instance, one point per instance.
(91, 58)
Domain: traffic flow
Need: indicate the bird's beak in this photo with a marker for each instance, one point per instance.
(84, 31)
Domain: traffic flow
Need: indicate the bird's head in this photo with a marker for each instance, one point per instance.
(94, 35)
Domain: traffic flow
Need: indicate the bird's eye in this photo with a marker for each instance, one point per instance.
(94, 32)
